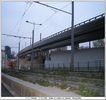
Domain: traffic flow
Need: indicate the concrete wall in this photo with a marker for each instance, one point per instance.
(82, 57)
(92, 57)
(21, 88)
(24, 63)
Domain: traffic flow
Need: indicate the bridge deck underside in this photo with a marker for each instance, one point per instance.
(90, 31)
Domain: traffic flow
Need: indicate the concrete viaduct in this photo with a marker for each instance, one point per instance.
(91, 29)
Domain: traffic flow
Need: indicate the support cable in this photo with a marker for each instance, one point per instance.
(55, 12)
(23, 17)
(20, 20)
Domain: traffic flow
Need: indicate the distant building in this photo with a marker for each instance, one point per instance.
(8, 51)
(7, 59)
(3, 57)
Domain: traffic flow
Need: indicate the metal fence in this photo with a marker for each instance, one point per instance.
(97, 66)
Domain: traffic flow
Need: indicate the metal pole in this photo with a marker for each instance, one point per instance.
(89, 44)
(30, 41)
(6, 61)
(72, 38)
(25, 44)
(32, 55)
(19, 47)
(18, 52)
(40, 36)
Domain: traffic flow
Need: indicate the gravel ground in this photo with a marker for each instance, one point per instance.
(5, 92)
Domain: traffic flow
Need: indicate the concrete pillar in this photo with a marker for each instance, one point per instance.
(89, 44)
(5, 60)
(76, 46)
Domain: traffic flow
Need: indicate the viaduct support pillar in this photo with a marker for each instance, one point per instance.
(76, 46)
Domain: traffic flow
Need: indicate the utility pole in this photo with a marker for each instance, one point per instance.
(19, 46)
(25, 44)
(18, 52)
(30, 41)
(32, 54)
(72, 39)
(72, 29)
(89, 44)
(15, 36)
(5, 60)
(40, 36)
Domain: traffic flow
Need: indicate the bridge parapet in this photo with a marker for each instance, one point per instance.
(67, 29)
(63, 36)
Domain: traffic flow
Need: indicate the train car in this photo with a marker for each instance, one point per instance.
(11, 63)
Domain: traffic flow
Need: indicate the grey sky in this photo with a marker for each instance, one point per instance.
(12, 12)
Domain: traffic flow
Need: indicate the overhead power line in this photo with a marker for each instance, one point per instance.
(11, 47)
(48, 18)
(23, 16)
(20, 20)
(52, 7)
(54, 14)
(17, 36)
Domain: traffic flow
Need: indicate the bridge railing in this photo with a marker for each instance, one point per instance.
(89, 20)
(82, 23)
(67, 29)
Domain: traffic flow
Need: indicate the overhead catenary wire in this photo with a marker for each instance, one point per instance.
(20, 20)
(17, 22)
(50, 17)
(10, 46)
(23, 17)
(54, 14)
(53, 7)
(17, 36)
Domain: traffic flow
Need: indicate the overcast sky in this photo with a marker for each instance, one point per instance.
(12, 13)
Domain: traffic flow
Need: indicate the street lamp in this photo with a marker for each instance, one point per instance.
(32, 55)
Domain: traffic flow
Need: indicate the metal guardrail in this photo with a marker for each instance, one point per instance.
(67, 29)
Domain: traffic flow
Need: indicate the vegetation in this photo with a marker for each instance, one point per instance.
(43, 83)
(85, 91)
(63, 85)
(99, 43)
(63, 80)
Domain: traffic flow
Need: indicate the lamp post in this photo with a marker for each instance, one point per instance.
(32, 54)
